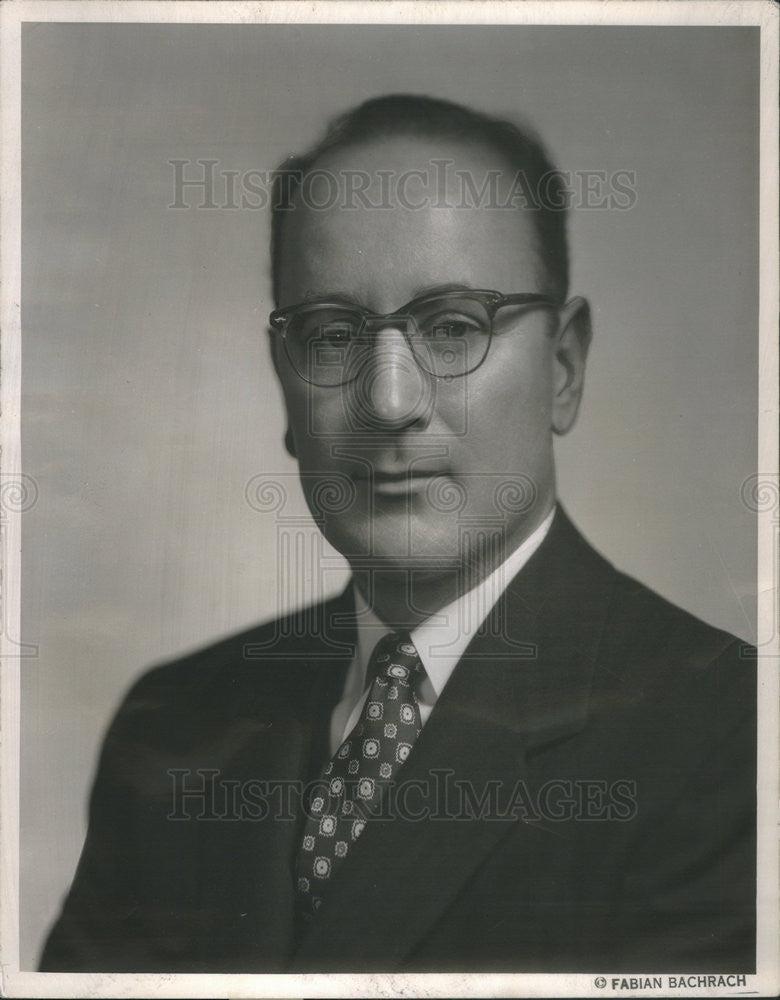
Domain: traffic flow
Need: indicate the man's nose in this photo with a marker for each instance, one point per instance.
(391, 391)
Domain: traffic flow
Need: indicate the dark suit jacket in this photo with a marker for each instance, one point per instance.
(608, 737)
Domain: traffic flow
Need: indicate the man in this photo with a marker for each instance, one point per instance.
(493, 751)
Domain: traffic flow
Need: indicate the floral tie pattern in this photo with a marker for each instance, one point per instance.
(354, 781)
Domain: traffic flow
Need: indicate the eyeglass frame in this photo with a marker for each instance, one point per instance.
(491, 300)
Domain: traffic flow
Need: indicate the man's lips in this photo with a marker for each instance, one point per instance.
(399, 481)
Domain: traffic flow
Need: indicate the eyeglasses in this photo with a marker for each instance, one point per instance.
(449, 333)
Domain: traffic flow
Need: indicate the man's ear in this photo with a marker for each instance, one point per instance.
(570, 354)
(273, 345)
(289, 443)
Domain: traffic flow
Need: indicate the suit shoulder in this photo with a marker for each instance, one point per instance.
(666, 656)
(578, 578)
(209, 686)
(285, 640)
(641, 616)
(634, 621)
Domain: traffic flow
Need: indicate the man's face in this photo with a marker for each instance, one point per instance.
(433, 468)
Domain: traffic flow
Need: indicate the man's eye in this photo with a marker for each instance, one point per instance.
(336, 333)
(449, 327)
(327, 330)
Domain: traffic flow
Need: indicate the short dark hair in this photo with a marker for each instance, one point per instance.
(419, 115)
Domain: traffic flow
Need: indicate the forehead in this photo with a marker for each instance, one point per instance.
(404, 213)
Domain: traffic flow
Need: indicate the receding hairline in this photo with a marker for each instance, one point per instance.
(339, 153)
(516, 146)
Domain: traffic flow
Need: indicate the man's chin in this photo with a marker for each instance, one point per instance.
(425, 545)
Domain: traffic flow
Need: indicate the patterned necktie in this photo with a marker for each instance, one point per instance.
(353, 782)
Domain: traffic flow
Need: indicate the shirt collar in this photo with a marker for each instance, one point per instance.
(442, 639)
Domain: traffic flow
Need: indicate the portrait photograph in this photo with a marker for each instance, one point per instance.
(389, 502)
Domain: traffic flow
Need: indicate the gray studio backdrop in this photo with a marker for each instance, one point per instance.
(149, 403)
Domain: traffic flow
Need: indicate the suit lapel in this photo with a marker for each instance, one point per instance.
(283, 696)
(563, 595)
(523, 683)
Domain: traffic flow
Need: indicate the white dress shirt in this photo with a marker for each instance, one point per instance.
(440, 640)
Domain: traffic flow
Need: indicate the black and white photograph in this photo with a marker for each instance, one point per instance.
(389, 502)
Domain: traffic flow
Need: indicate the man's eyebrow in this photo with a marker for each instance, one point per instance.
(329, 296)
(339, 296)
(450, 286)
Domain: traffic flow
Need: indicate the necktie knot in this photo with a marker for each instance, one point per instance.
(396, 659)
